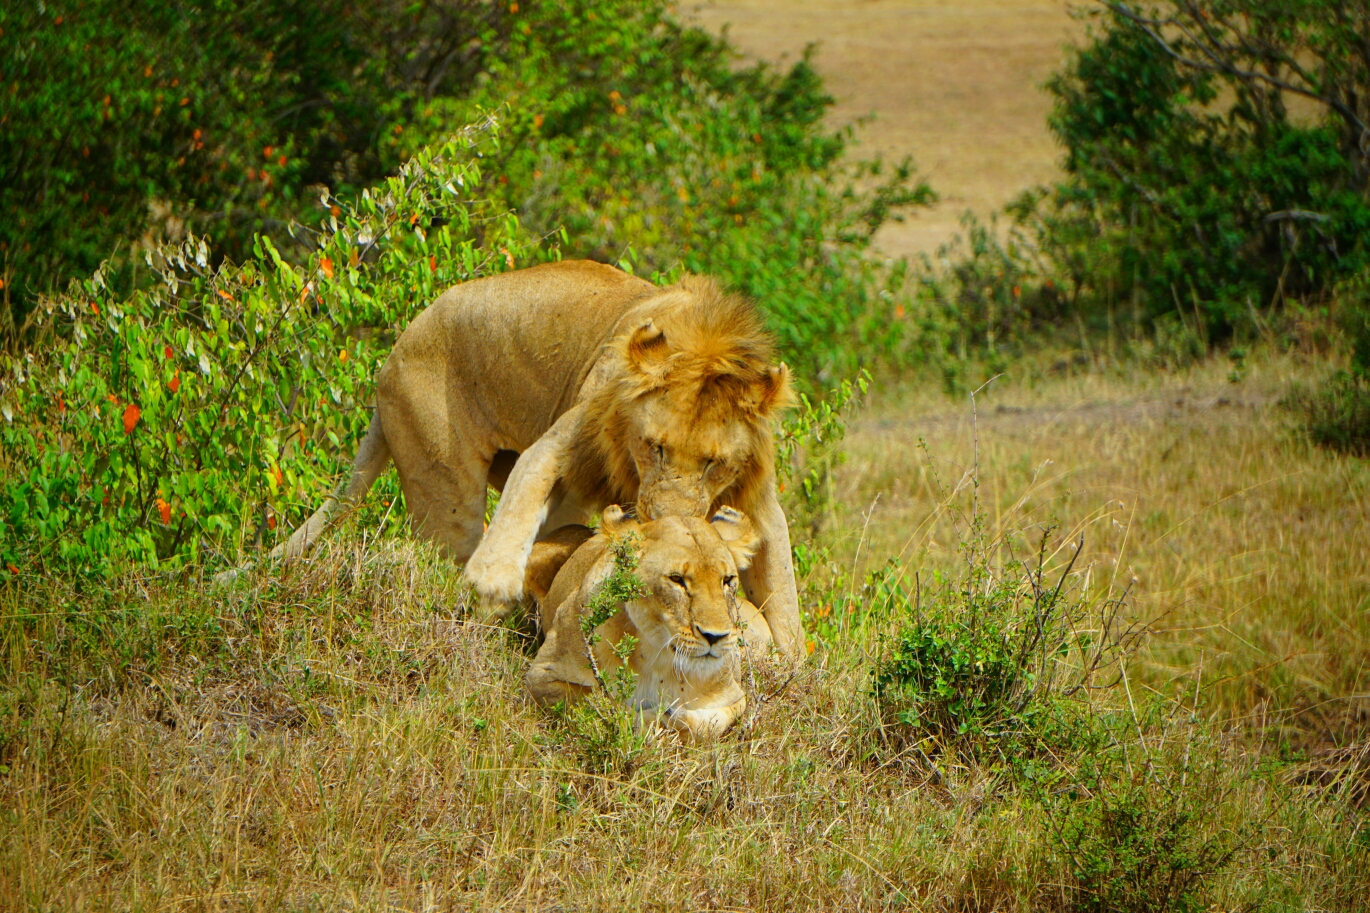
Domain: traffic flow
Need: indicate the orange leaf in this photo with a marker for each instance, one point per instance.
(809, 647)
(432, 264)
(175, 382)
(95, 307)
(167, 351)
(13, 570)
(131, 416)
(224, 295)
(342, 355)
(271, 522)
(280, 477)
(164, 509)
(537, 120)
(281, 161)
(327, 266)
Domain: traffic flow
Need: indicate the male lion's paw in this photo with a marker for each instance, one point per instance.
(498, 583)
(493, 611)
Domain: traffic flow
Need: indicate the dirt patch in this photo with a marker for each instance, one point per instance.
(956, 85)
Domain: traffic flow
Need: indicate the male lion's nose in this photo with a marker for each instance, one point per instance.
(712, 637)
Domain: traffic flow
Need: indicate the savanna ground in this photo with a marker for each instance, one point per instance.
(337, 735)
(334, 736)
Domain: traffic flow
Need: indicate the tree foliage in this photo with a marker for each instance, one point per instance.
(1216, 159)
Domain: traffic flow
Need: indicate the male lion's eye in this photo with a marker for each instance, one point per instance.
(677, 579)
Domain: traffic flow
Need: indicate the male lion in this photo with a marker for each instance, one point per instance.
(605, 389)
(689, 626)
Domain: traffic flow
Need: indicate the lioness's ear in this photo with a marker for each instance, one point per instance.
(738, 533)
(646, 347)
(615, 520)
(775, 392)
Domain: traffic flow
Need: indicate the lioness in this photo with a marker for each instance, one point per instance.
(689, 626)
(605, 389)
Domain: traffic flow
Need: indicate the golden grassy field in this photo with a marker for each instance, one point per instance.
(335, 737)
(957, 86)
(340, 736)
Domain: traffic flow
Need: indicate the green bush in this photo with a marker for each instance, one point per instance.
(211, 407)
(125, 119)
(632, 132)
(1143, 832)
(1191, 189)
(978, 660)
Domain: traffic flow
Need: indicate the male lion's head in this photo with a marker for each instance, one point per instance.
(689, 568)
(684, 424)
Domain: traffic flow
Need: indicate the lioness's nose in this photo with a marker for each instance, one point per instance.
(712, 637)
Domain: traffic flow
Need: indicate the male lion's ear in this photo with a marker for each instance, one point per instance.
(646, 347)
(738, 533)
(615, 520)
(775, 392)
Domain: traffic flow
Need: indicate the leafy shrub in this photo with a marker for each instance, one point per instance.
(1191, 188)
(978, 659)
(213, 406)
(625, 128)
(1146, 833)
(217, 116)
(1337, 414)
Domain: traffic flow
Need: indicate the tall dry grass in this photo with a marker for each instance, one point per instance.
(336, 737)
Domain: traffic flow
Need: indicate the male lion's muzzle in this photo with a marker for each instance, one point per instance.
(673, 498)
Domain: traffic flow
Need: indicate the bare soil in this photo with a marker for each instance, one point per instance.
(956, 84)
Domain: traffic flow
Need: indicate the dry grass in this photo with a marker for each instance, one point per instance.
(957, 86)
(337, 738)
(1250, 549)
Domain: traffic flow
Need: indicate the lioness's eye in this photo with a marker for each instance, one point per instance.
(659, 451)
(708, 464)
(677, 579)
(730, 581)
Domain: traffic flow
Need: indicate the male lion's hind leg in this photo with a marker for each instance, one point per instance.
(372, 457)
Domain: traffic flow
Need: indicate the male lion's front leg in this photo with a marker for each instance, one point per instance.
(770, 579)
(705, 725)
(496, 568)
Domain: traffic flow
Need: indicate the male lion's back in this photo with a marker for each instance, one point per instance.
(511, 351)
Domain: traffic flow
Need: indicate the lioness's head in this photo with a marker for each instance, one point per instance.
(686, 422)
(689, 568)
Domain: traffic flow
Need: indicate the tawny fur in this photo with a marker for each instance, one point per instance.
(689, 570)
(609, 389)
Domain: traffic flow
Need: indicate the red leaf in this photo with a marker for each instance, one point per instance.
(167, 352)
(164, 509)
(131, 416)
(271, 522)
(175, 382)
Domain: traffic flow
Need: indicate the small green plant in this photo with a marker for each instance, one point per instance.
(604, 728)
(808, 447)
(1145, 833)
(983, 655)
(1337, 414)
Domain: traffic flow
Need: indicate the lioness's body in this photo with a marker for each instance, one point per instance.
(689, 634)
(540, 363)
